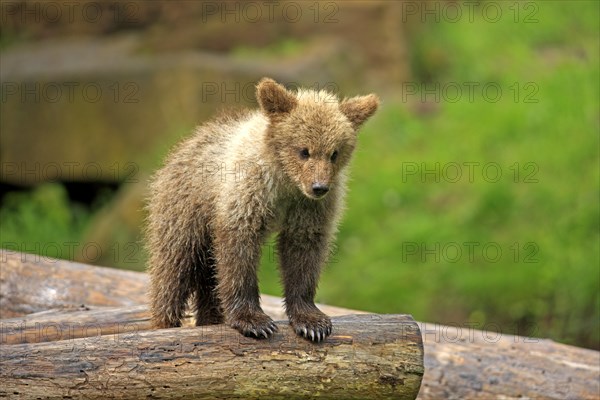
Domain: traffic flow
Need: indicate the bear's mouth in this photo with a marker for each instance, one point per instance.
(315, 197)
(311, 194)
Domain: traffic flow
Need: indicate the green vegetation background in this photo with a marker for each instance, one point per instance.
(397, 247)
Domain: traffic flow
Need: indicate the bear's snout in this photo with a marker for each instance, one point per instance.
(319, 189)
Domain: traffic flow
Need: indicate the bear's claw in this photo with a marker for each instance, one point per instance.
(257, 326)
(315, 329)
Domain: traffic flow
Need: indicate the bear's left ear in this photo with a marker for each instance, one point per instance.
(360, 108)
(273, 98)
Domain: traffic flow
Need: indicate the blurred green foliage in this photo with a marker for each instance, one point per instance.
(286, 47)
(427, 211)
(407, 238)
(42, 221)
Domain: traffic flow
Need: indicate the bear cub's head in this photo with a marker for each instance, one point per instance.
(311, 133)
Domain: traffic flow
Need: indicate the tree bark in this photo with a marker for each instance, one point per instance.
(72, 323)
(367, 356)
(77, 322)
(31, 283)
(460, 362)
(465, 363)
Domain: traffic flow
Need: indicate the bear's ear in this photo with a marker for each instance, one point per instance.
(358, 109)
(273, 98)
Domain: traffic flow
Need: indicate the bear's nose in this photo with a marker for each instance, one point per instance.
(319, 189)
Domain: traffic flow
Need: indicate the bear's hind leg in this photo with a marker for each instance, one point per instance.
(171, 280)
(207, 305)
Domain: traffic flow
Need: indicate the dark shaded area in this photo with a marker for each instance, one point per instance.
(89, 194)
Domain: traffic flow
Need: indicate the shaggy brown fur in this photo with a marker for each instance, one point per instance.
(238, 178)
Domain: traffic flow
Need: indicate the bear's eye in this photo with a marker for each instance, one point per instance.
(334, 156)
(304, 153)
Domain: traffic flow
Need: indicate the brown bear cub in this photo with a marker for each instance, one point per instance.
(223, 190)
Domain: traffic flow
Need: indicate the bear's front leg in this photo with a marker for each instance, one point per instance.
(237, 258)
(302, 252)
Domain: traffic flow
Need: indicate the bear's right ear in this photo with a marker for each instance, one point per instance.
(273, 98)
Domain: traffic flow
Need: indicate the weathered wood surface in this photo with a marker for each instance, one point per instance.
(463, 363)
(31, 283)
(459, 362)
(84, 321)
(367, 357)
(73, 323)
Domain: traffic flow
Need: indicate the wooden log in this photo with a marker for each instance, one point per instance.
(74, 323)
(31, 283)
(465, 363)
(459, 362)
(367, 356)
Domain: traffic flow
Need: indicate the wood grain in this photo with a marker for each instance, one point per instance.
(367, 356)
